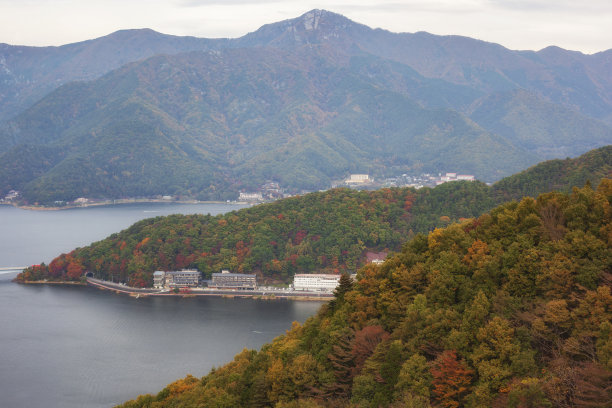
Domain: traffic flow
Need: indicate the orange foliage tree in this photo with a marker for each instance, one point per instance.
(451, 379)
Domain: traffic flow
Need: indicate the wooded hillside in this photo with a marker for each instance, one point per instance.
(511, 309)
(328, 231)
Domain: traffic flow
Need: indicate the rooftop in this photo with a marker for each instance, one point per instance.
(232, 274)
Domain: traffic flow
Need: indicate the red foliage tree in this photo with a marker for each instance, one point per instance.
(365, 343)
(57, 266)
(451, 379)
(74, 270)
(593, 387)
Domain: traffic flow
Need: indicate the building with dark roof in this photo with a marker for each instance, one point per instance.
(228, 280)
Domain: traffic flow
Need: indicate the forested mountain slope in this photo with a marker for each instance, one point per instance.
(570, 78)
(556, 175)
(214, 122)
(550, 130)
(510, 309)
(28, 73)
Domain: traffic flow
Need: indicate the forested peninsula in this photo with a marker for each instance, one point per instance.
(327, 231)
(510, 309)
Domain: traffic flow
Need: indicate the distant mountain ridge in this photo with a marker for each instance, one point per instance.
(302, 101)
(583, 82)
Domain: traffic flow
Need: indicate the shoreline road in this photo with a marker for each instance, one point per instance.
(117, 287)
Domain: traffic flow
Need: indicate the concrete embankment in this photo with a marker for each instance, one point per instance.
(258, 294)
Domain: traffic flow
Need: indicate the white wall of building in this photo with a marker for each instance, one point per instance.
(315, 282)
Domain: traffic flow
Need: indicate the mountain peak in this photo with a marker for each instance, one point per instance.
(313, 27)
(311, 19)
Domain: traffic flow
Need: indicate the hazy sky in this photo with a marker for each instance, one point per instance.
(517, 24)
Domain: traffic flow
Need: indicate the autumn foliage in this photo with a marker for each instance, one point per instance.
(512, 309)
(329, 231)
(451, 379)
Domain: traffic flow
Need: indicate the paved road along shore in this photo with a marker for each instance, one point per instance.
(116, 287)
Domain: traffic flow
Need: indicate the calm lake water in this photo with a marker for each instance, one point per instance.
(80, 347)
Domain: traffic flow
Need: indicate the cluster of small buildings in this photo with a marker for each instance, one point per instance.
(269, 191)
(10, 196)
(191, 278)
(304, 282)
(424, 180)
(454, 177)
(250, 197)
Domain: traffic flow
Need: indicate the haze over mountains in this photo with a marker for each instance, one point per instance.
(302, 102)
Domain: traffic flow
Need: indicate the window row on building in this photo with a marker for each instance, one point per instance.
(313, 282)
(186, 278)
(228, 280)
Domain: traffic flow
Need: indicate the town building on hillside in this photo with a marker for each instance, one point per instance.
(376, 258)
(454, 177)
(315, 282)
(13, 194)
(358, 179)
(250, 197)
(186, 278)
(228, 280)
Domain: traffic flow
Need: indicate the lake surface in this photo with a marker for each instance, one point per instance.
(63, 346)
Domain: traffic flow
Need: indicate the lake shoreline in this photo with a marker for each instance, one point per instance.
(147, 292)
(44, 282)
(118, 202)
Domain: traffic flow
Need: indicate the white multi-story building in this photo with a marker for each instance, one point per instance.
(250, 197)
(315, 282)
(358, 179)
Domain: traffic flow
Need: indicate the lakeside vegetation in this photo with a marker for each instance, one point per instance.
(511, 309)
(326, 231)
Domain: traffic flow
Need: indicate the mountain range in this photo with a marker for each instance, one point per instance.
(302, 102)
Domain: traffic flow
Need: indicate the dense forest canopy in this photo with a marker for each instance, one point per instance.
(556, 175)
(510, 309)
